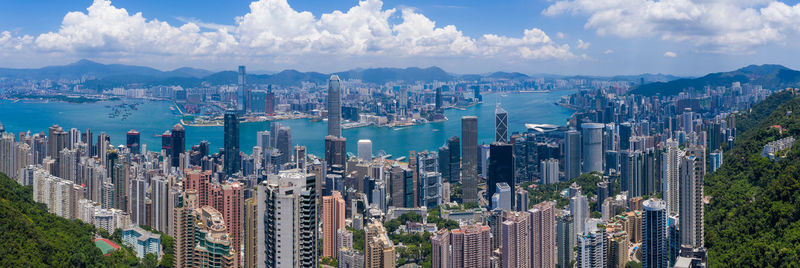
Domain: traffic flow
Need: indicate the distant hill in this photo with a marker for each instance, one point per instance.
(87, 68)
(769, 76)
(105, 76)
(383, 75)
(753, 218)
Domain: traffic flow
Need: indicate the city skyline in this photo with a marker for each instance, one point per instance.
(560, 37)
(504, 153)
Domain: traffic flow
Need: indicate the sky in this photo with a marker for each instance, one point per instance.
(588, 37)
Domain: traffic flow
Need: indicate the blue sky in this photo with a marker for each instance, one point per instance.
(596, 37)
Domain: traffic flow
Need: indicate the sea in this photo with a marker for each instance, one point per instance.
(152, 118)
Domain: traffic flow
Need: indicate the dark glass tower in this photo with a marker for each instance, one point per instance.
(232, 162)
(501, 168)
(178, 144)
(133, 141)
(454, 145)
(625, 133)
(500, 125)
(469, 159)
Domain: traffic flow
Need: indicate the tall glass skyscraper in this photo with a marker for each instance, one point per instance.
(592, 147)
(501, 168)
(572, 151)
(654, 233)
(469, 160)
(500, 125)
(232, 161)
(242, 94)
(334, 107)
(178, 144)
(133, 141)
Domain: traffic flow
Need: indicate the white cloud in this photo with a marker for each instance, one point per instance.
(9, 42)
(714, 25)
(608, 51)
(275, 31)
(107, 29)
(560, 35)
(670, 54)
(583, 45)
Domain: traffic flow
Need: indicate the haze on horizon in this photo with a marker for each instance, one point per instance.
(592, 37)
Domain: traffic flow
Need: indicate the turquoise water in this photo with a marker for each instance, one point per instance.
(153, 118)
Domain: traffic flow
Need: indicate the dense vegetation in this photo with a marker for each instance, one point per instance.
(753, 219)
(36, 238)
(32, 237)
(544, 192)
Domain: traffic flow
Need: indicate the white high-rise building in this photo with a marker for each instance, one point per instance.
(161, 206)
(137, 205)
(579, 208)
(591, 245)
(365, 150)
(549, 170)
(290, 220)
(671, 175)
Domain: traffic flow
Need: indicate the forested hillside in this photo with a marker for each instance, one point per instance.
(753, 218)
(32, 237)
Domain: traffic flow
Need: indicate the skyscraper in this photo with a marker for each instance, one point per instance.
(470, 246)
(549, 171)
(515, 239)
(133, 141)
(166, 147)
(379, 251)
(688, 120)
(335, 151)
(579, 208)
(290, 219)
(501, 199)
(572, 154)
(672, 157)
(454, 147)
(625, 133)
(500, 125)
(232, 159)
(251, 231)
(242, 93)
(691, 197)
(440, 249)
(469, 165)
(334, 107)
(439, 102)
(521, 200)
(591, 245)
(57, 140)
(137, 201)
(565, 240)
(283, 142)
(592, 147)
(501, 167)
(332, 221)
(365, 149)
(654, 233)
(543, 235)
(178, 144)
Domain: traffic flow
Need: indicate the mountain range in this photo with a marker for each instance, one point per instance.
(767, 75)
(111, 75)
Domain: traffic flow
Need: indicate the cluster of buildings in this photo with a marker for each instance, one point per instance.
(270, 208)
